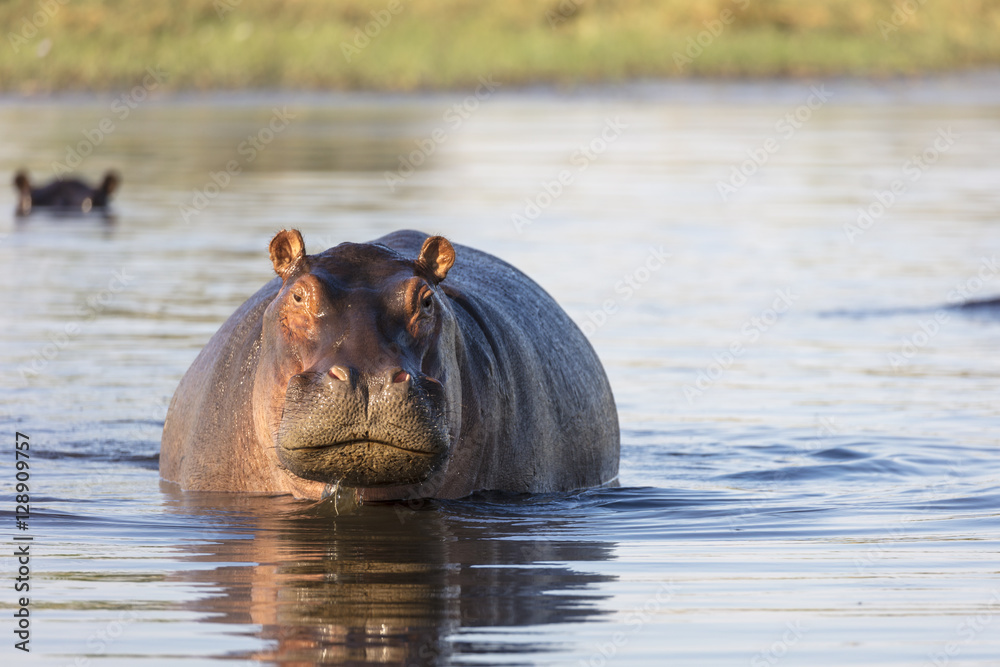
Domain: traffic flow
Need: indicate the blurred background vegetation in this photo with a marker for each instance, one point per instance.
(55, 45)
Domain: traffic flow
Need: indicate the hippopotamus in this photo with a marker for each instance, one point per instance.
(402, 368)
(67, 195)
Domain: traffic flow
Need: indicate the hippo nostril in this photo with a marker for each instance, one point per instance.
(400, 376)
(338, 372)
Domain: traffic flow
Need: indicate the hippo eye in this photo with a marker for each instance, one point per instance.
(427, 303)
(297, 297)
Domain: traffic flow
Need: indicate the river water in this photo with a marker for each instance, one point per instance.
(810, 471)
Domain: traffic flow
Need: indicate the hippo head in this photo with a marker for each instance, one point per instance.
(357, 380)
(64, 196)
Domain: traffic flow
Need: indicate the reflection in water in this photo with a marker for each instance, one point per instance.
(104, 220)
(384, 584)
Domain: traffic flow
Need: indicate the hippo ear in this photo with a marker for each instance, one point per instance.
(287, 248)
(111, 182)
(436, 257)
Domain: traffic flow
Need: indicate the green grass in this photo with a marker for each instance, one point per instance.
(100, 45)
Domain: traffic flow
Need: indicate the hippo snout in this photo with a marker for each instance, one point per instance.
(363, 429)
(393, 379)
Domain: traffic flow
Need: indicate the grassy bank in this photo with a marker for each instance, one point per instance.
(317, 44)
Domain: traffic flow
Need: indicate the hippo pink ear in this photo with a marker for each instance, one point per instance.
(436, 257)
(287, 248)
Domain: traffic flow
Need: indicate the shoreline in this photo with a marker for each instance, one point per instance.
(976, 85)
(446, 45)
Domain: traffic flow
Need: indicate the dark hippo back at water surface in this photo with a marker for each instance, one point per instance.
(824, 494)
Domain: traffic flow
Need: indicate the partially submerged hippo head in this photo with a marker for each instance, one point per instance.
(67, 196)
(352, 381)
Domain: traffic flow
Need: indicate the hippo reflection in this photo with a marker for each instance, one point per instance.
(386, 585)
(69, 196)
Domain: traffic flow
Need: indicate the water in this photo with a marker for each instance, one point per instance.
(809, 459)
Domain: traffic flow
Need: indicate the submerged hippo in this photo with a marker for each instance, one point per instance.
(980, 304)
(68, 195)
(402, 368)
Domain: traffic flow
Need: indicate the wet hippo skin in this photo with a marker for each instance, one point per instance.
(402, 368)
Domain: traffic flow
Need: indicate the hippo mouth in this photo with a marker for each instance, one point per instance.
(362, 442)
(361, 462)
(332, 433)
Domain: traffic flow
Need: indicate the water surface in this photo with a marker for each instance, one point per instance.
(809, 431)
